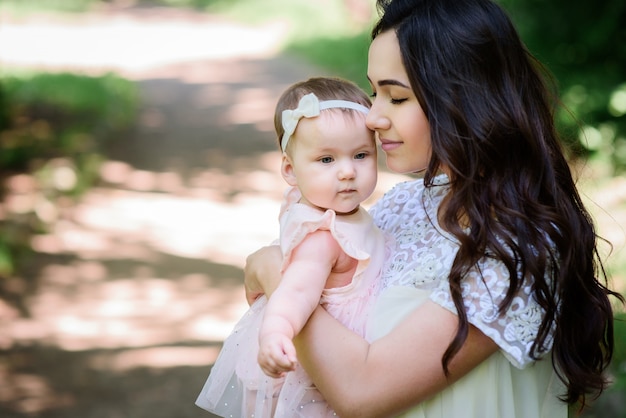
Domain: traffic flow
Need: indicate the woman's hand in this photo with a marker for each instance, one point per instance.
(262, 272)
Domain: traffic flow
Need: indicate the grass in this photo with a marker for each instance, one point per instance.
(62, 114)
(110, 97)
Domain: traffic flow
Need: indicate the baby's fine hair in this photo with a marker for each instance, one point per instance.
(325, 88)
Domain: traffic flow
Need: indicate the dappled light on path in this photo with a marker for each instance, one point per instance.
(133, 44)
(116, 246)
(143, 274)
(130, 291)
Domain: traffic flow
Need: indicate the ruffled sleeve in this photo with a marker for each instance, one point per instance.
(514, 329)
(356, 234)
(291, 196)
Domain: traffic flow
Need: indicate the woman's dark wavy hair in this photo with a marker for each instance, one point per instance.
(491, 117)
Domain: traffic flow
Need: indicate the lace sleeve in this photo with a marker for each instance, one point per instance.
(514, 329)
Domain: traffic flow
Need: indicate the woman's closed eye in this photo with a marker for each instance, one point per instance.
(392, 100)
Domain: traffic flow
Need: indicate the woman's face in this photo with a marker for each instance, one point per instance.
(396, 115)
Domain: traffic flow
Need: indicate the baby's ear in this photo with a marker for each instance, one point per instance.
(287, 171)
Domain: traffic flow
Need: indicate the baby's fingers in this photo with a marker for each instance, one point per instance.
(289, 355)
(276, 364)
(276, 369)
(273, 372)
(286, 363)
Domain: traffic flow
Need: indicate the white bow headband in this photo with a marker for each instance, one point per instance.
(309, 107)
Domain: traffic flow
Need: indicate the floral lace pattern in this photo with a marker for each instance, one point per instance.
(423, 257)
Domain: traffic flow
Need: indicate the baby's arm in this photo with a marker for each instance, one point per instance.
(294, 300)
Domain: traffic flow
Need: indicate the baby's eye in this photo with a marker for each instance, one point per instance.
(326, 160)
(360, 156)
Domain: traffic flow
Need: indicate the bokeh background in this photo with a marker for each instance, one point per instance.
(138, 168)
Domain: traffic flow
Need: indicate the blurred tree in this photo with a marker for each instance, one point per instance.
(584, 46)
(4, 109)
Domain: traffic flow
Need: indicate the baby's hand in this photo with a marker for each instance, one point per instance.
(277, 355)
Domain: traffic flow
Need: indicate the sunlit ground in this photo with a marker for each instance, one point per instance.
(142, 212)
(145, 272)
(133, 44)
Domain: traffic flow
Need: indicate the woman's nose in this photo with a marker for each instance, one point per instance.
(375, 120)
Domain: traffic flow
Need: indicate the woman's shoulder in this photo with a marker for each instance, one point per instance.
(418, 186)
(413, 185)
(405, 195)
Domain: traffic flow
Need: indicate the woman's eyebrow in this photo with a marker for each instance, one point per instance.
(389, 82)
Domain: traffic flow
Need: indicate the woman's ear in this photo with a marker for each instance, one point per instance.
(287, 171)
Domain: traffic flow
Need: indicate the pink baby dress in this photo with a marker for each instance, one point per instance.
(236, 386)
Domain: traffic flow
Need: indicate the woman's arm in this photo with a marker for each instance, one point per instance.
(391, 374)
(387, 376)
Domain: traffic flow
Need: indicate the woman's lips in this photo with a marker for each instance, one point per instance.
(387, 145)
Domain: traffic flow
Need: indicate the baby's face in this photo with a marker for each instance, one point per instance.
(333, 161)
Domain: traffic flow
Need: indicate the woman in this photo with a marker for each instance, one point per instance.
(493, 304)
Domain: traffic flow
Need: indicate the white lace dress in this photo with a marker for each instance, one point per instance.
(507, 385)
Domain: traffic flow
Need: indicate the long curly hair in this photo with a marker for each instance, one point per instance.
(490, 105)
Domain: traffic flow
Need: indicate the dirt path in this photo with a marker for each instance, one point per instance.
(131, 293)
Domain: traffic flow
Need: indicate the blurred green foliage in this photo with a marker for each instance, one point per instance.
(29, 6)
(612, 403)
(53, 128)
(52, 115)
(584, 45)
(347, 57)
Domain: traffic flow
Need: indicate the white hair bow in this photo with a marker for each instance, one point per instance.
(309, 106)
